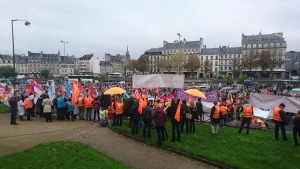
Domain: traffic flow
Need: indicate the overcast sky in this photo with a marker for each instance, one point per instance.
(108, 26)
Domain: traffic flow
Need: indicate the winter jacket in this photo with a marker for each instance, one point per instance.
(160, 117)
(96, 105)
(47, 103)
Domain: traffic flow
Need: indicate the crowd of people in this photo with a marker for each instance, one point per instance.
(183, 114)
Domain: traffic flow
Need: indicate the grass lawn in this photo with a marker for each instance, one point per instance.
(257, 150)
(61, 154)
(4, 109)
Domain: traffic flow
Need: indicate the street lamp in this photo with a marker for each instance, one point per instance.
(27, 23)
(64, 46)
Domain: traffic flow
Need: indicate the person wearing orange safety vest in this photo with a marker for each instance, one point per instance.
(113, 109)
(280, 120)
(224, 111)
(247, 110)
(215, 118)
(80, 103)
(28, 105)
(119, 112)
(88, 104)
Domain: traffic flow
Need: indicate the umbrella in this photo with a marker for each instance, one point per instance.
(195, 92)
(114, 90)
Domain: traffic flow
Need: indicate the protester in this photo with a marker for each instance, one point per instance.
(147, 119)
(39, 106)
(184, 121)
(80, 103)
(214, 118)
(113, 111)
(70, 111)
(247, 110)
(28, 105)
(96, 107)
(119, 111)
(135, 118)
(60, 105)
(13, 102)
(160, 121)
(193, 111)
(47, 104)
(171, 111)
(200, 114)
(224, 111)
(104, 115)
(296, 128)
(279, 117)
(88, 104)
(21, 109)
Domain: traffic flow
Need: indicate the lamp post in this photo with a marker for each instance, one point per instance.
(27, 23)
(64, 46)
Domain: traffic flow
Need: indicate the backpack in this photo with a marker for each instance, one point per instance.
(60, 102)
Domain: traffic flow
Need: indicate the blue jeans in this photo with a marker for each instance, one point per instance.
(175, 127)
(147, 127)
(88, 115)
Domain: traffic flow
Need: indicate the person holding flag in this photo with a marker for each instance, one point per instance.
(173, 112)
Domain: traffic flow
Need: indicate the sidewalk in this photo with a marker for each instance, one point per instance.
(16, 138)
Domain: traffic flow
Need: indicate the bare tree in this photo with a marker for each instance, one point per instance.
(192, 65)
(143, 64)
(249, 61)
(236, 67)
(160, 64)
(207, 67)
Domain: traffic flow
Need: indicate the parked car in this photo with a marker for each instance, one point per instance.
(295, 77)
(226, 88)
(249, 83)
(294, 92)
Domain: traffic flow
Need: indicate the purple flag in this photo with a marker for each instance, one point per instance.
(181, 95)
(211, 96)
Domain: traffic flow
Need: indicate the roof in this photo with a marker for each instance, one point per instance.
(182, 45)
(263, 38)
(154, 51)
(86, 57)
(221, 50)
(6, 57)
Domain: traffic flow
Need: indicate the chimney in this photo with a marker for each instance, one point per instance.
(164, 43)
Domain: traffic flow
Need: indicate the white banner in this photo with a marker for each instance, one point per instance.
(158, 80)
(266, 101)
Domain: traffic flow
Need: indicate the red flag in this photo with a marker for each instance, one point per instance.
(140, 105)
(28, 90)
(75, 92)
(92, 91)
(177, 114)
(265, 91)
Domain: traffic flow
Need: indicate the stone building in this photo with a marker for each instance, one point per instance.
(275, 43)
(292, 63)
(88, 65)
(114, 63)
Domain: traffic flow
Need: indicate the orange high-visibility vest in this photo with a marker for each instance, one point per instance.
(216, 114)
(88, 102)
(80, 102)
(223, 110)
(27, 104)
(247, 111)
(119, 107)
(112, 107)
(276, 115)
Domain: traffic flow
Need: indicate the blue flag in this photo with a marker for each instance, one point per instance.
(68, 88)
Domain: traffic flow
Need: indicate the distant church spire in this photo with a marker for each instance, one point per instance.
(127, 53)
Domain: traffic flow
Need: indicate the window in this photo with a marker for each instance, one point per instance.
(201, 57)
(216, 57)
(216, 63)
(206, 57)
(216, 69)
(211, 57)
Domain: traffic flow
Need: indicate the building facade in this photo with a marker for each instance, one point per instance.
(114, 63)
(275, 43)
(292, 62)
(88, 65)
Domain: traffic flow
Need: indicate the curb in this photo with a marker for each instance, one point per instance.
(212, 163)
